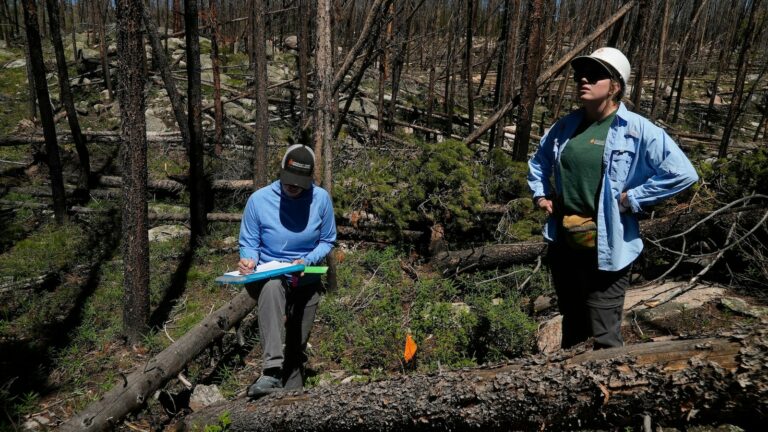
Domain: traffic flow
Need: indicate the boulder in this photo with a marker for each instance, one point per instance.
(167, 232)
(175, 44)
(291, 42)
(203, 396)
(18, 63)
(237, 112)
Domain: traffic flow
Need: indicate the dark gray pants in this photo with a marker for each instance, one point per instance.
(590, 300)
(286, 315)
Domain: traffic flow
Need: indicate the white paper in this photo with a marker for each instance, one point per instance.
(272, 265)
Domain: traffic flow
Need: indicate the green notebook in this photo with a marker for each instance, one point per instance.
(315, 270)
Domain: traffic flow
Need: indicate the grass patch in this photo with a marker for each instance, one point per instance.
(455, 322)
(50, 249)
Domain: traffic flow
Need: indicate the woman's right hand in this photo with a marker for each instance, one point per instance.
(246, 265)
(545, 204)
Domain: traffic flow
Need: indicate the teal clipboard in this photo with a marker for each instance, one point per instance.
(253, 277)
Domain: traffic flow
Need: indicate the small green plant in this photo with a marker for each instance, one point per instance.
(222, 425)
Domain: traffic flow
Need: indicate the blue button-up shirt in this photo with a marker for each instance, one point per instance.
(639, 158)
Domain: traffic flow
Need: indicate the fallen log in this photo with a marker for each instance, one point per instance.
(675, 383)
(132, 391)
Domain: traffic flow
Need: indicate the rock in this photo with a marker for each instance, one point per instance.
(82, 107)
(112, 49)
(89, 54)
(182, 64)
(237, 112)
(205, 62)
(550, 335)
(104, 95)
(248, 103)
(18, 63)
(460, 308)
(291, 42)
(352, 378)
(408, 130)
(155, 123)
(175, 44)
(37, 422)
(167, 232)
(363, 106)
(203, 396)
(742, 307)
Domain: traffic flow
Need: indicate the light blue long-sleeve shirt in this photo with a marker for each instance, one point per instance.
(276, 227)
(639, 158)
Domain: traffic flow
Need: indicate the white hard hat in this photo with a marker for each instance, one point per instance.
(614, 59)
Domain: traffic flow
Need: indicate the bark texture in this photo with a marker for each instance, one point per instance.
(37, 67)
(714, 379)
(66, 93)
(197, 181)
(134, 162)
(260, 88)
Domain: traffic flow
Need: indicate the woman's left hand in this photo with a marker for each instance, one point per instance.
(624, 204)
(299, 261)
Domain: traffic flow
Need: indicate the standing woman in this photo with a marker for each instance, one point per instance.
(290, 220)
(608, 164)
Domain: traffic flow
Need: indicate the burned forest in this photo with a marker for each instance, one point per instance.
(137, 139)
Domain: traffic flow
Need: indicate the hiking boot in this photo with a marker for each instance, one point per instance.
(265, 385)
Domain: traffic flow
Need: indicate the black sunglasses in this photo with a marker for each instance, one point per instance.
(592, 75)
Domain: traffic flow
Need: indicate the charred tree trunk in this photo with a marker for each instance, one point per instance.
(197, 189)
(103, 49)
(304, 39)
(218, 116)
(46, 113)
(471, 11)
(660, 60)
(324, 96)
(32, 96)
(640, 34)
(178, 16)
(738, 91)
(66, 94)
(398, 59)
(161, 60)
(260, 87)
(134, 162)
(506, 76)
(717, 379)
(677, 68)
(530, 72)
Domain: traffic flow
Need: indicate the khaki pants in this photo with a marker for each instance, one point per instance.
(286, 315)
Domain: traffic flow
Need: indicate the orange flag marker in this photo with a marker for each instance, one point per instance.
(410, 348)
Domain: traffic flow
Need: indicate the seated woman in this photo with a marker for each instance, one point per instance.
(290, 220)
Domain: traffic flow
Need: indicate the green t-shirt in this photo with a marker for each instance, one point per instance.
(581, 166)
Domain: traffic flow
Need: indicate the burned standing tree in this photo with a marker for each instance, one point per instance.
(738, 91)
(505, 75)
(46, 113)
(197, 181)
(133, 153)
(218, 116)
(260, 93)
(66, 94)
(530, 72)
(161, 61)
